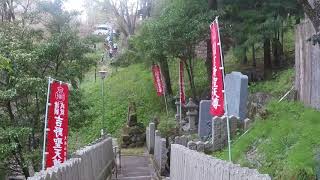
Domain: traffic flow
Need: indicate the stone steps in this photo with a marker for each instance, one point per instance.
(135, 168)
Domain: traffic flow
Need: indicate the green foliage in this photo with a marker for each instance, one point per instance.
(167, 125)
(251, 22)
(27, 58)
(278, 86)
(283, 145)
(180, 26)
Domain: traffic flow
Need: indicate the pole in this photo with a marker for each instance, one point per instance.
(165, 101)
(103, 112)
(224, 92)
(45, 126)
(180, 116)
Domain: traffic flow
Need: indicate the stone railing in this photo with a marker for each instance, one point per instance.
(187, 164)
(92, 162)
(150, 130)
(157, 146)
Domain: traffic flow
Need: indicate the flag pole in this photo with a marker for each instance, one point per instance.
(45, 127)
(224, 92)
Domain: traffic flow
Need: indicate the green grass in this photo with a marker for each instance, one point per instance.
(280, 84)
(132, 152)
(284, 144)
(131, 84)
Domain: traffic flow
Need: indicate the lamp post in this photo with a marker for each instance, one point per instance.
(103, 75)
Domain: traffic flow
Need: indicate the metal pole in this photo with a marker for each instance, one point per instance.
(45, 126)
(225, 96)
(103, 112)
(180, 93)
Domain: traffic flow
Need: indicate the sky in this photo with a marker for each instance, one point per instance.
(74, 5)
(77, 5)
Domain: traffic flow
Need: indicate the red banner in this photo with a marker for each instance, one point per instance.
(181, 83)
(57, 139)
(217, 89)
(157, 80)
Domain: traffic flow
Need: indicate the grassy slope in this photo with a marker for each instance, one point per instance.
(133, 83)
(128, 84)
(284, 144)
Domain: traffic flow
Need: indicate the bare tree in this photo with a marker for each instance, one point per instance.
(7, 10)
(126, 13)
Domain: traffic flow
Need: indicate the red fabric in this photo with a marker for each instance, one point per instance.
(181, 79)
(217, 94)
(157, 80)
(57, 139)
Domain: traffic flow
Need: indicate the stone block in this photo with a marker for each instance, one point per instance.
(200, 146)
(237, 94)
(247, 124)
(192, 145)
(205, 120)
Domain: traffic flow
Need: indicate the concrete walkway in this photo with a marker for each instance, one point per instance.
(136, 168)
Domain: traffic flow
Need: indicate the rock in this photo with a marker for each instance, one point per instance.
(256, 104)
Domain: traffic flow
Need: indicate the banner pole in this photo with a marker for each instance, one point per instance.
(165, 101)
(45, 126)
(224, 92)
(180, 113)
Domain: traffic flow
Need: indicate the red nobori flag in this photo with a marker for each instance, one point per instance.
(57, 124)
(217, 87)
(181, 83)
(157, 80)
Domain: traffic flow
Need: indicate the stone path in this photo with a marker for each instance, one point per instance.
(136, 168)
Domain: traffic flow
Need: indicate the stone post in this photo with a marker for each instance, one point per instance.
(192, 115)
(151, 137)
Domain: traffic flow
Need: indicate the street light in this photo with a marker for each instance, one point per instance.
(103, 75)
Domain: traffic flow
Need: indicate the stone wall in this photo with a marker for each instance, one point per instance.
(187, 164)
(220, 131)
(92, 162)
(307, 81)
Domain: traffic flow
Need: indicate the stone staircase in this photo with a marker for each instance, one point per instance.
(136, 168)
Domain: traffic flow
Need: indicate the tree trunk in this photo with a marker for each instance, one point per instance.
(166, 74)
(20, 159)
(245, 57)
(275, 51)
(191, 79)
(213, 4)
(267, 58)
(209, 62)
(254, 61)
(266, 54)
(10, 112)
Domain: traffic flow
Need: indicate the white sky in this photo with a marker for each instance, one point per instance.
(74, 5)
(77, 5)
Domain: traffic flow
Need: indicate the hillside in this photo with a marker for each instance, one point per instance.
(285, 143)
